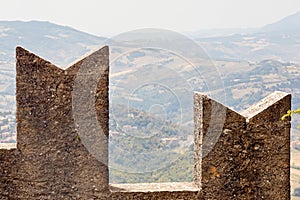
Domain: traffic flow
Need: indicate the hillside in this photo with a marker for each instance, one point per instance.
(287, 24)
(152, 90)
(59, 44)
(278, 41)
(146, 148)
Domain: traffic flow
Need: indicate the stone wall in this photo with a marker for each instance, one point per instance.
(251, 158)
(50, 161)
(237, 156)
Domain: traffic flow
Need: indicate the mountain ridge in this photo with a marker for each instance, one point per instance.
(53, 42)
(251, 65)
(288, 23)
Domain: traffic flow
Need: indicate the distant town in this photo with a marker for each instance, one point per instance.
(7, 127)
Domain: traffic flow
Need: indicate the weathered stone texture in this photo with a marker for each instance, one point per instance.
(50, 161)
(251, 158)
(62, 153)
(160, 191)
(8, 159)
(158, 195)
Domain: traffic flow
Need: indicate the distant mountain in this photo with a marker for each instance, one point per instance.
(212, 33)
(277, 41)
(289, 23)
(58, 44)
(251, 63)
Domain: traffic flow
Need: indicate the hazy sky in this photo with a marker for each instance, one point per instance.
(111, 17)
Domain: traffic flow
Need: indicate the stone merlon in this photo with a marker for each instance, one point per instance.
(62, 141)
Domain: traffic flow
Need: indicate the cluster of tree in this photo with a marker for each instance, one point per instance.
(290, 113)
(145, 148)
(181, 170)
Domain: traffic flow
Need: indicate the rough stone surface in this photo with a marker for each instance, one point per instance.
(251, 158)
(62, 153)
(50, 161)
(158, 195)
(154, 191)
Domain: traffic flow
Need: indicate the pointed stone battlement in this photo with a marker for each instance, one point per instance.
(62, 138)
(50, 161)
(243, 156)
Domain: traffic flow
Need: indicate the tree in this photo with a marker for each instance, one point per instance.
(290, 113)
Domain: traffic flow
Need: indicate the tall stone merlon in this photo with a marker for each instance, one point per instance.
(250, 159)
(62, 141)
(50, 161)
